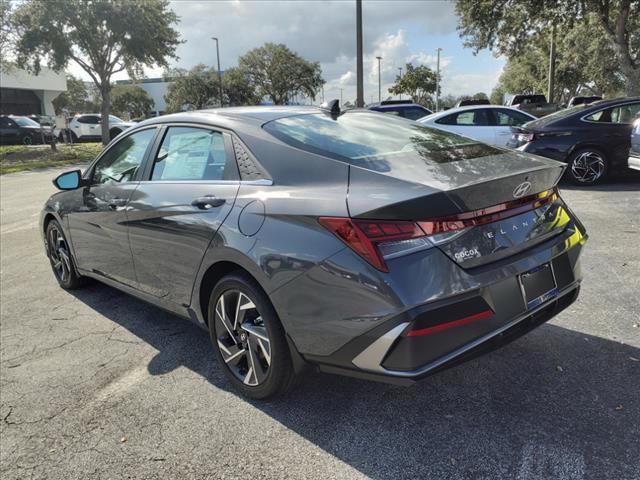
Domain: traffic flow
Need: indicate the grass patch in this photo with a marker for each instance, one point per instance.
(19, 158)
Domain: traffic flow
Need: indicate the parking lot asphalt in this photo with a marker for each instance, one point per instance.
(97, 384)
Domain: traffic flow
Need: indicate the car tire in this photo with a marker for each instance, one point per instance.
(587, 166)
(27, 140)
(249, 341)
(61, 258)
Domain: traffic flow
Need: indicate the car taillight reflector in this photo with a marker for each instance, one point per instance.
(447, 325)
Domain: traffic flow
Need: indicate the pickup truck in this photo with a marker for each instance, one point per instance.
(536, 105)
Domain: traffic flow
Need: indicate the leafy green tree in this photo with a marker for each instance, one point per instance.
(7, 38)
(131, 101)
(419, 83)
(585, 62)
(509, 27)
(103, 37)
(280, 74)
(193, 89)
(238, 89)
(76, 98)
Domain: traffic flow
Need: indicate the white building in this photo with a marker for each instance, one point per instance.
(22, 93)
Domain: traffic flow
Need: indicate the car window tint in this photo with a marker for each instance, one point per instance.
(509, 118)
(5, 122)
(414, 113)
(189, 153)
(625, 113)
(470, 118)
(121, 162)
(90, 119)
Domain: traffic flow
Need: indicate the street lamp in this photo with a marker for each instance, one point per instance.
(341, 97)
(219, 72)
(400, 70)
(438, 81)
(379, 85)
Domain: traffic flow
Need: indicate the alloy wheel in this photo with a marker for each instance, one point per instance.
(27, 140)
(242, 337)
(588, 167)
(59, 254)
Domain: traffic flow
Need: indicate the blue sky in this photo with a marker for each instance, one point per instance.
(400, 31)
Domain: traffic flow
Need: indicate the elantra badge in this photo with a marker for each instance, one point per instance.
(521, 190)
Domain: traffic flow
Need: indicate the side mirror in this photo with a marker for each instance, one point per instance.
(69, 180)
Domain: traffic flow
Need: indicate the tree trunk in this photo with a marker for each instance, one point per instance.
(105, 91)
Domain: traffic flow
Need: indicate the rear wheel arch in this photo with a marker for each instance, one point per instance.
(212, 276)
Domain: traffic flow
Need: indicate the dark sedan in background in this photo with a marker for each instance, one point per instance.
(593, 139)
(363, 244)
(16, 130)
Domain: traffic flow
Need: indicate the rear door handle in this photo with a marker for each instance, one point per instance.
(208, 201)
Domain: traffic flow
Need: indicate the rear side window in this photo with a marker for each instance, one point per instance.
(189, 153)
(89, 119)
(375, 141)
(510, 118)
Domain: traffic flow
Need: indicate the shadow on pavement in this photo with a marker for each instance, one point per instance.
(555, 404)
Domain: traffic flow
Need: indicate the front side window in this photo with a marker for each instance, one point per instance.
(26, 122)
(189, 153)
(122, 161)
(470, 118)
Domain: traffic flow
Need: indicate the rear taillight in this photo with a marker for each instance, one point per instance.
(377, 240)
(489, 214)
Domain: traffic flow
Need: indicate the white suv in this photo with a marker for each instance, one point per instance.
(88, 127)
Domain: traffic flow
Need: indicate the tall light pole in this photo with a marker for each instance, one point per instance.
(219, 72)
(438, 81)
(379, 86)
(400, 70)
(341, 97)
(359, 74)
(552, 65)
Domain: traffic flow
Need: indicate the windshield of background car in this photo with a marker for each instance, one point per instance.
(373, 141)
(113, 119)
(25, 122)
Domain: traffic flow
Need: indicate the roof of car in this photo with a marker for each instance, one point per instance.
(395, 106)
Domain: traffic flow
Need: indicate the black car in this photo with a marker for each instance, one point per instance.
(592, 139)
(472, 101)
(402, 108)
(16, 130)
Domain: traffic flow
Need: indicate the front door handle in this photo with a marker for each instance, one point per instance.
(208, 201)
(117, 202)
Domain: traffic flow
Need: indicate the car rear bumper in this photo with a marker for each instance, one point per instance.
(508, 332)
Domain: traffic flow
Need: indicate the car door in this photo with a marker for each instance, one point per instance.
(190, 186)
(503, 119)
(97, 225)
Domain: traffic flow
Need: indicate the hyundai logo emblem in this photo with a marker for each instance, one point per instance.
(521, 190)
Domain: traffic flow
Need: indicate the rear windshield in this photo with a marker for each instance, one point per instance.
(375, 141)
